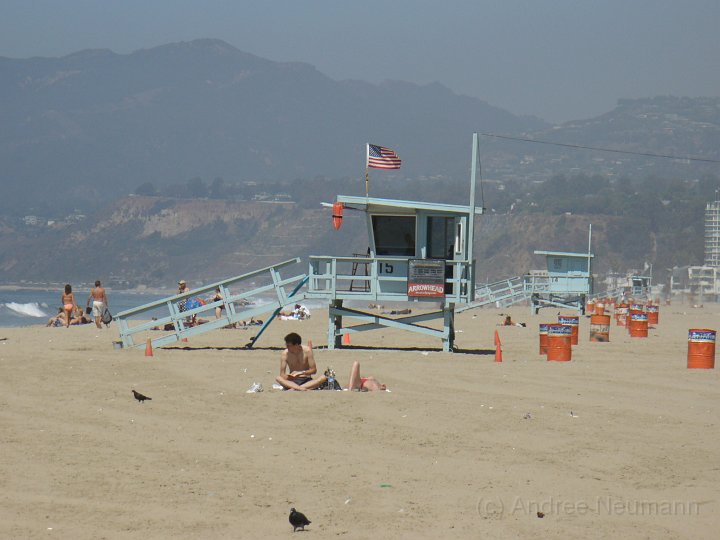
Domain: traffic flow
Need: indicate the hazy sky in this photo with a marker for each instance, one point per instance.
(557, 59)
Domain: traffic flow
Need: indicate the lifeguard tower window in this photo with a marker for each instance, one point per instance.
(441, 237)
(394, 235)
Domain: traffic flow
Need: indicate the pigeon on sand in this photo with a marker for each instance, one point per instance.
(298, 520)
(140, 397)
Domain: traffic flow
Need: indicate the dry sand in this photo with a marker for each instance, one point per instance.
(447, 454)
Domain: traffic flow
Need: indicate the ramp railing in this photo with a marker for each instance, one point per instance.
(506, 292)
(179, 315)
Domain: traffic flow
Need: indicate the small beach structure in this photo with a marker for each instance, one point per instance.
(418, 252)
(566, 282)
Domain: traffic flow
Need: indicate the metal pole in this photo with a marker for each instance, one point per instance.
(367, 175)
(471, 219)
(590, 289)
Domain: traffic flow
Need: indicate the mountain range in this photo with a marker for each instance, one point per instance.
(95, 124)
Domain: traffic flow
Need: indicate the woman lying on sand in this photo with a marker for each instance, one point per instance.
(363, 384)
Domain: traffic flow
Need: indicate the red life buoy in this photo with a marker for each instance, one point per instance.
(337, 215)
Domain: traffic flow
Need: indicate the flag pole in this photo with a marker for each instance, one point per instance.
(367, 174)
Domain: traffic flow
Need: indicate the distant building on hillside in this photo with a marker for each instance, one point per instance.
(703, 281)
(712, 234)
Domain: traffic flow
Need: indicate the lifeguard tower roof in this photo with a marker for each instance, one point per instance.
(372, 204)
(564, 254)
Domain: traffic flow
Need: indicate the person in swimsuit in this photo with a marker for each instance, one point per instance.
(363, 384)
(57, 320)
(297, 365)
(218, 310)
(99, 302)
(79, 317)
(68, 302)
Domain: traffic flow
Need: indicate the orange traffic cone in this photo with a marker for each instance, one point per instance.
(346, 339)
(498, 347)
(148, 347)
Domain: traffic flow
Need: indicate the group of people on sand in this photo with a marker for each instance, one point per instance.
(72, 314)
(192, 303)
(299, 313)
(297, 367)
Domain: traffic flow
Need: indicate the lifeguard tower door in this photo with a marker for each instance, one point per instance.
(445, 239)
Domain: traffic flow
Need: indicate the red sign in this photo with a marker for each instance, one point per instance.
(426, 289)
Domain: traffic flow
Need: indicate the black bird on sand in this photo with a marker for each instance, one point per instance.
(298, 520)
(140, 397)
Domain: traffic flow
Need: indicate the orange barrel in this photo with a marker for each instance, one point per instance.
(590, 307)
(572, 321)
(600, 328)
(599, 309)
(634, 308)
(638, 325)
(701, 349)
(543, 338)
(559, 348)
(653, 312)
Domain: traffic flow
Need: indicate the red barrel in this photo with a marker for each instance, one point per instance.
(600, 328)
(701, 349)
(638, 325)
(632, 310)
(653, 312)
(543, 338)
(559, 348)
(574, 323)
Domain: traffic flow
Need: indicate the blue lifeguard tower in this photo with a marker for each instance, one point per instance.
(418, 252)
(566, 282)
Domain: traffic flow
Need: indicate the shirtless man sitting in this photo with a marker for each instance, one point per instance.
(298, 361)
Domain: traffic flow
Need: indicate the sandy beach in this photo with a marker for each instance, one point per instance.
(622, 442)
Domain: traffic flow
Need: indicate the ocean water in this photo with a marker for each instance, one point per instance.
(23, 307)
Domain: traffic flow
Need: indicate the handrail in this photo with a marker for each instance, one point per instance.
(206, 288)
(182, 320)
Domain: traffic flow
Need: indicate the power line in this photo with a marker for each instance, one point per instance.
(614, 151)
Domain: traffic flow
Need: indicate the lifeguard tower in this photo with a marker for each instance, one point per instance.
(566, 282)
(418, 252)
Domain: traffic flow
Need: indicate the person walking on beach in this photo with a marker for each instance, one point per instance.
(68, 303)
(99, 300)
(299, 362)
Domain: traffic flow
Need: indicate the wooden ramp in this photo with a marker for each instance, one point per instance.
(137, 324)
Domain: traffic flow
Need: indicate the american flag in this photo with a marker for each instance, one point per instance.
(379, 157)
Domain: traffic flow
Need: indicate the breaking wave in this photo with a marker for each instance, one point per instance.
(31, 309)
